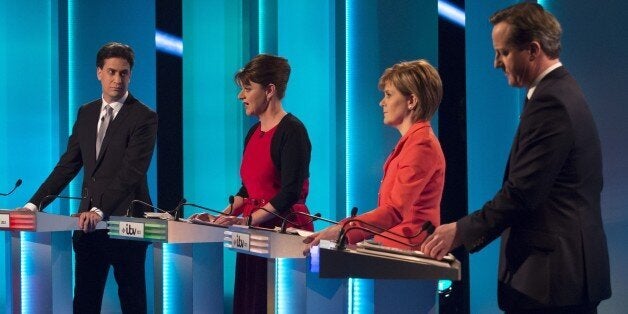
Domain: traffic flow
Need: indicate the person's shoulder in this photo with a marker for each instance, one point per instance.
(138, 105)
(290, 121)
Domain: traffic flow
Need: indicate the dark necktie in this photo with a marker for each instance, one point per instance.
(106, 119)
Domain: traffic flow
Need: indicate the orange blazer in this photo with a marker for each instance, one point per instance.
(410, 192)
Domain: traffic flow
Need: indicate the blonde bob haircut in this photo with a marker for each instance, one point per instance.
(417, 78)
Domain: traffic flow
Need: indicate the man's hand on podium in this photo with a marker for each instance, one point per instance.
(87, 221)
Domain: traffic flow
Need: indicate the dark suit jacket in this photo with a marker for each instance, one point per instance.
(553, 249)
(118, 176)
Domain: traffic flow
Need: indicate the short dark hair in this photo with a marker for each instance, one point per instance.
(115, 50)
(266, 69)
(529, 21)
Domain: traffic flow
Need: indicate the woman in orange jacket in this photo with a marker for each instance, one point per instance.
(414, 173)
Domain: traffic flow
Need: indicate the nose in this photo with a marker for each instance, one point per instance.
(241, 94)
(497, 63)
(381, 103)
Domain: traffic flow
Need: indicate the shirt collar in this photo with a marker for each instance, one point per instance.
(541, 76)
(116, 105)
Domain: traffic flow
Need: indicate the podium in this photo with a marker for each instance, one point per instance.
(403, 283)
(187, 261)
(284, 253)
(40, 260)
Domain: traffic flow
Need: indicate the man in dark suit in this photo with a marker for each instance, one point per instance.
(112, 140)
(554, 257)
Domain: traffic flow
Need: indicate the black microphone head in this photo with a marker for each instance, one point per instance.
(354, 211)
(318, 215)
(231, 200)
(18, 183)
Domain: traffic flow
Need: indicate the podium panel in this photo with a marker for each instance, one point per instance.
(47, 239)
(188, 262)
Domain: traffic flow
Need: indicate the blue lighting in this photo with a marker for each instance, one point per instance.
(169, 280)
(169, 44)
(27, 262)
(451, 13)
(261, 26)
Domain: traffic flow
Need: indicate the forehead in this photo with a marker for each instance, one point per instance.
(118, 64)
(501, 35)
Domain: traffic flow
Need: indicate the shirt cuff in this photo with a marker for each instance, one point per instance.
(31, 207)
(97, 211)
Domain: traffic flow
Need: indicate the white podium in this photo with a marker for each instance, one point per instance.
(192, 282)
(41, 283)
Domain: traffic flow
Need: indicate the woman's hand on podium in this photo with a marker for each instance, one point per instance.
(329, 233)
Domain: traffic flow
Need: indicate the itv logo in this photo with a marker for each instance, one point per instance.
(131, 229)
(4, 221)
(240, 241)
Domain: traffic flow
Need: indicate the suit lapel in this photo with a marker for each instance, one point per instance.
(114, 126)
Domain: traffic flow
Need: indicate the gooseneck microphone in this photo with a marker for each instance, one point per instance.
(313, 218)
(43, 200)
(128, 211)
(17, 184)
(231, 200)
(427, 226)
(177, 209)
(204, 208)
(283, 219)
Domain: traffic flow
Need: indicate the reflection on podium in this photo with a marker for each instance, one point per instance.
(46, 238)
(188, 261)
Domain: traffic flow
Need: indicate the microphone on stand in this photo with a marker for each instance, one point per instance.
(231, 200)
(283, 219)
(43, 200)
(128, 211)
(17, 184)
(314, 218)
(427, 226)
(354, 211)
(177, 209)
(204, 208)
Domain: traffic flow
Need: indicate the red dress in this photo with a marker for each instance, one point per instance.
(262, 181)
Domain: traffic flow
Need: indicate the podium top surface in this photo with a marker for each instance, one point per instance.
(25, 220)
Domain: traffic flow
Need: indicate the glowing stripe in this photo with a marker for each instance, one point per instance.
(261, 26)
(451, 13)
(169, 292)
(167, 43)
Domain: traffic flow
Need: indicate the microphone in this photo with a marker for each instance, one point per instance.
(343, 233)
(43, 200)
(176, 210)
(231, 200)
(314, 217)
(354, 211)
(128, 211)
(283, 219)
(17, 184)
(204, 208)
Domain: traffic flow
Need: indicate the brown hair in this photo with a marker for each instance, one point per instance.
(265, 69)
(419, 78)
(530, 22)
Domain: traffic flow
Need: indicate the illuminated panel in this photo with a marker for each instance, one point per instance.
(358, 288)
(167, 43)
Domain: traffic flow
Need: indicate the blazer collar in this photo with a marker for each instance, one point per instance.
(115, 125)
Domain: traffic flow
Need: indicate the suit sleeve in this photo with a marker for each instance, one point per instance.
(66, 169)
(135, 164)
(417, 166)
(545, 139)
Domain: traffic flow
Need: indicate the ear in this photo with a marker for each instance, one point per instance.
(535, 50)
(98, 73)
(271, 89)
(412, 101)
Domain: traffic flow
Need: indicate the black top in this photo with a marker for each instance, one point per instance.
(290, 151)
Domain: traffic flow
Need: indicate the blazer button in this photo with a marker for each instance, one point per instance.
(93, 179)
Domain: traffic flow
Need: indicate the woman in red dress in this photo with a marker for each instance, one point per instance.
(274, 171)
(414, 173)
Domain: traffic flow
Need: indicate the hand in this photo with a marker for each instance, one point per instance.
(441, 242)
(203, 217)
(230, 220)
(330, 233)
(87, 221)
